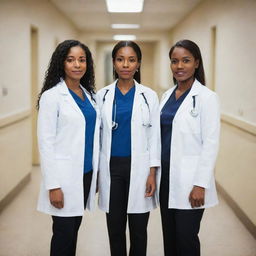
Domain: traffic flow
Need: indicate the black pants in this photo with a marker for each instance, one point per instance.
(180, 227)
(117, 216)
(65, 229)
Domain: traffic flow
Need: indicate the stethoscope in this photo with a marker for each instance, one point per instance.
(114, 122)
(193, 111)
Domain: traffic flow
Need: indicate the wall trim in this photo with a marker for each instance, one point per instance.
(237, 210)
(14, 118)
(238, 123)
(14, 192)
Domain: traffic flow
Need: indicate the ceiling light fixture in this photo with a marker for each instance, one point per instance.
(124, 37)
(125, 26)
(125, 5)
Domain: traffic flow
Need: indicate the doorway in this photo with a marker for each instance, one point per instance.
(34, 91)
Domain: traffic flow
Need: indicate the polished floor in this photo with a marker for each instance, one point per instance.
(26, 232)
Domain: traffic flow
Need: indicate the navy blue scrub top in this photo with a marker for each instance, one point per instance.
(167, 115)
(90, 119)
(122, 114)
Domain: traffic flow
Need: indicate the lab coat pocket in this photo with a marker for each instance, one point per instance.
(190, 124)
(188, 169)
(191, 144)
(139, 174)
(145, 114)
(64, 169)
(190, 129)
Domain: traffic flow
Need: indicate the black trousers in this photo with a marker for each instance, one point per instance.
(180, 227)
(117, 216)
(65, 229)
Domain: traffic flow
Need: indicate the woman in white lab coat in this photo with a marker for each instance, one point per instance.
(68, 136)
(190, 125)
(130, 152)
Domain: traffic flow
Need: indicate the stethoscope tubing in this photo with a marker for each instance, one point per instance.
(193, 111)
(114, 123)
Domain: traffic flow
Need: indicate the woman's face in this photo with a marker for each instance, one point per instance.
(126, 63)
(75, 64)
(183, 64)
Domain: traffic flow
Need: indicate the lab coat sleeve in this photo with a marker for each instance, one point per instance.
(154, 133)
(210, 132)
(46, 132)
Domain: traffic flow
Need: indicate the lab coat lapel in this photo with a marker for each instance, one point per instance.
(108, 104)
(93, 103)
(165, 97)
(188, 101)
(68, 97)
(139, 90)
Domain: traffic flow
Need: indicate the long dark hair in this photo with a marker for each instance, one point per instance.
(56, 71)
(137, 50)
(195, 51)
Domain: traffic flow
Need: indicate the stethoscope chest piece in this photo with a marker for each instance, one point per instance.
(114, 125)
(193, 112)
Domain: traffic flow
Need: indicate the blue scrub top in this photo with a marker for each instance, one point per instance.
(122, 114)
(90, 119)
(167, 115)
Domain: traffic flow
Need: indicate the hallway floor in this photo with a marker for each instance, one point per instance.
(26, 232)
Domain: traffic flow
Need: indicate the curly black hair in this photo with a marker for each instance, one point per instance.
(137, 50)
(56, 71)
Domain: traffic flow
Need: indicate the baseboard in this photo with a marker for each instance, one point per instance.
(238, 211)
(11, 195)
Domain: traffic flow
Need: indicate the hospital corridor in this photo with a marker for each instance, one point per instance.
(224, 30)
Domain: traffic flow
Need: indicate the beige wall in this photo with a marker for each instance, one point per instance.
(16, 20)
(148, 64)
(235, 22)
(102, 48)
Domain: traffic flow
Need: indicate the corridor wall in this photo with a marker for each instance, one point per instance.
(18, 18)
(225, 32)
(155, 63)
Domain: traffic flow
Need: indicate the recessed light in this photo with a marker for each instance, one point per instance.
(124, 5)
(124, 37)
(125, 26)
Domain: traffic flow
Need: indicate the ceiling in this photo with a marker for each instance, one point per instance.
(157, 15)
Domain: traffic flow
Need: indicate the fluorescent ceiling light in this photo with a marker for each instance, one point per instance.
(124, 37)
(125, 5)
(125, 26)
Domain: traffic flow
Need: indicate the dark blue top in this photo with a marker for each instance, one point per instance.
(90, 119)
(122, 113)
(167, 114)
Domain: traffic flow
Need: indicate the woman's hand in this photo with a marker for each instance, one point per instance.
(151, 183)
(56, 198)
(196, 197)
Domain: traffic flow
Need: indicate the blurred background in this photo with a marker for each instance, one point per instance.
(225, 31)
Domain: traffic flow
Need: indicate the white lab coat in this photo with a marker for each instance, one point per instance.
(194, 147)
(145, 147)
(61, 138)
